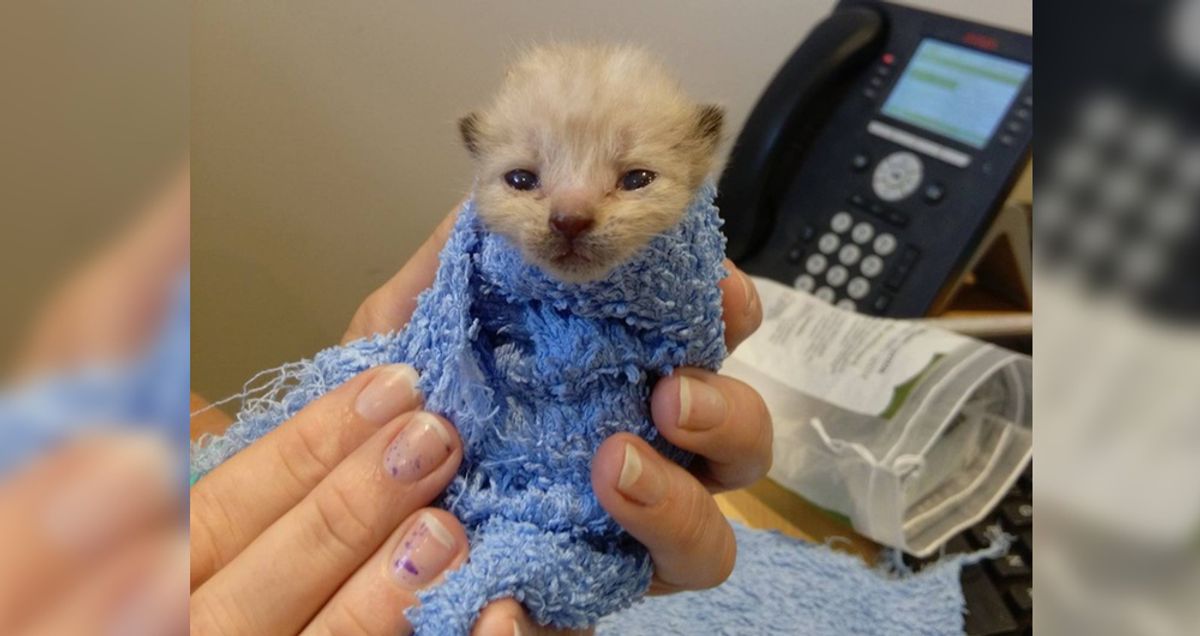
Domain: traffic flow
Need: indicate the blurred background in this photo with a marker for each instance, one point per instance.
(94, 118)
(325, 148)
(94, 319)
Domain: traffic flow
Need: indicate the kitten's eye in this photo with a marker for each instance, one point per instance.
(521, 179)
(636, 179)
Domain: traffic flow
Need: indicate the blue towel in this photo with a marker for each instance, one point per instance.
(147, 393)
(782, 586)
(535, 374)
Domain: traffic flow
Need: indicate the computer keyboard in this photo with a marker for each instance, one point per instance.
(998, 592)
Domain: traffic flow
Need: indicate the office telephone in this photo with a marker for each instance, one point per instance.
(879, 155)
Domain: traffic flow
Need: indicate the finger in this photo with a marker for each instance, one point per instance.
(740, 305)
(429, 544)
(111, 307)
(665, 508)
(721, 419)
(138, 590)
(240, 498)
(61, 516)
(284, 577)
(389, 307)
(506, 617)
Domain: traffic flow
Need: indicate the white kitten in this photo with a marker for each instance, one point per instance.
(586, 153)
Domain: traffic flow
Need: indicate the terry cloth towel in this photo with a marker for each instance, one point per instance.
(147, 394)
(783, 586)
(535, 374)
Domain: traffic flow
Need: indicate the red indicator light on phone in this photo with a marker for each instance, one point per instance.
(985, 42)
(889, 59)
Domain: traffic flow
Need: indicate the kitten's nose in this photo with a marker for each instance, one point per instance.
(570, 226)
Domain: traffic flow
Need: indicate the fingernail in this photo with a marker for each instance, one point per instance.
(639, 480)
(423, 553)
(392, 391)
(517, 628)
(701, 407)
(122, 488)
(748, 291)
(422, 445)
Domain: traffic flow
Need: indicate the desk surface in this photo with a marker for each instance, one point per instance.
(765, 504)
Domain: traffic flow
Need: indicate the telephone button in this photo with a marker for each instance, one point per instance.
(846, 304)
(902, 268)
(858, 288)
(881, 303)
(825, 294)
(805, 283)
(841, 222)
(863, 233)
(849, 254)
(872, 266)
(897, 176)
(837, 276)
(885, 244)
(796, 254)
(934, 193)
(816, 264)
(829, 243)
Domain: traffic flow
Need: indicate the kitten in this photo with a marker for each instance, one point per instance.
(587, 153)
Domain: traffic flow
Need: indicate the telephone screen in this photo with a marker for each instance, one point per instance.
(956, 92)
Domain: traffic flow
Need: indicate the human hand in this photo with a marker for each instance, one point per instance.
(112, 306)
(89, 540)
(668, 508)
(320, 526)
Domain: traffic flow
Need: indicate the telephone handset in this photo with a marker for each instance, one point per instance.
(878, 156)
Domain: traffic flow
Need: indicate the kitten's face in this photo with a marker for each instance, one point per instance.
(586, 155)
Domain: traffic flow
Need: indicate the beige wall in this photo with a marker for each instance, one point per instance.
(324, 145)
(93, 113)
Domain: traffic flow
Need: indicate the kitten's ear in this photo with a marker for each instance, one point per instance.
(709, 120)
(468, 127)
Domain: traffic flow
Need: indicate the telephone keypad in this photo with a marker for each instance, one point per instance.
(862, 233)
(828, 243)
(872, 266)
(848, 264)
(858, 288)
(885, 244)
(816, 264)
(849, 254)
(837, 275)
(841, 222)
